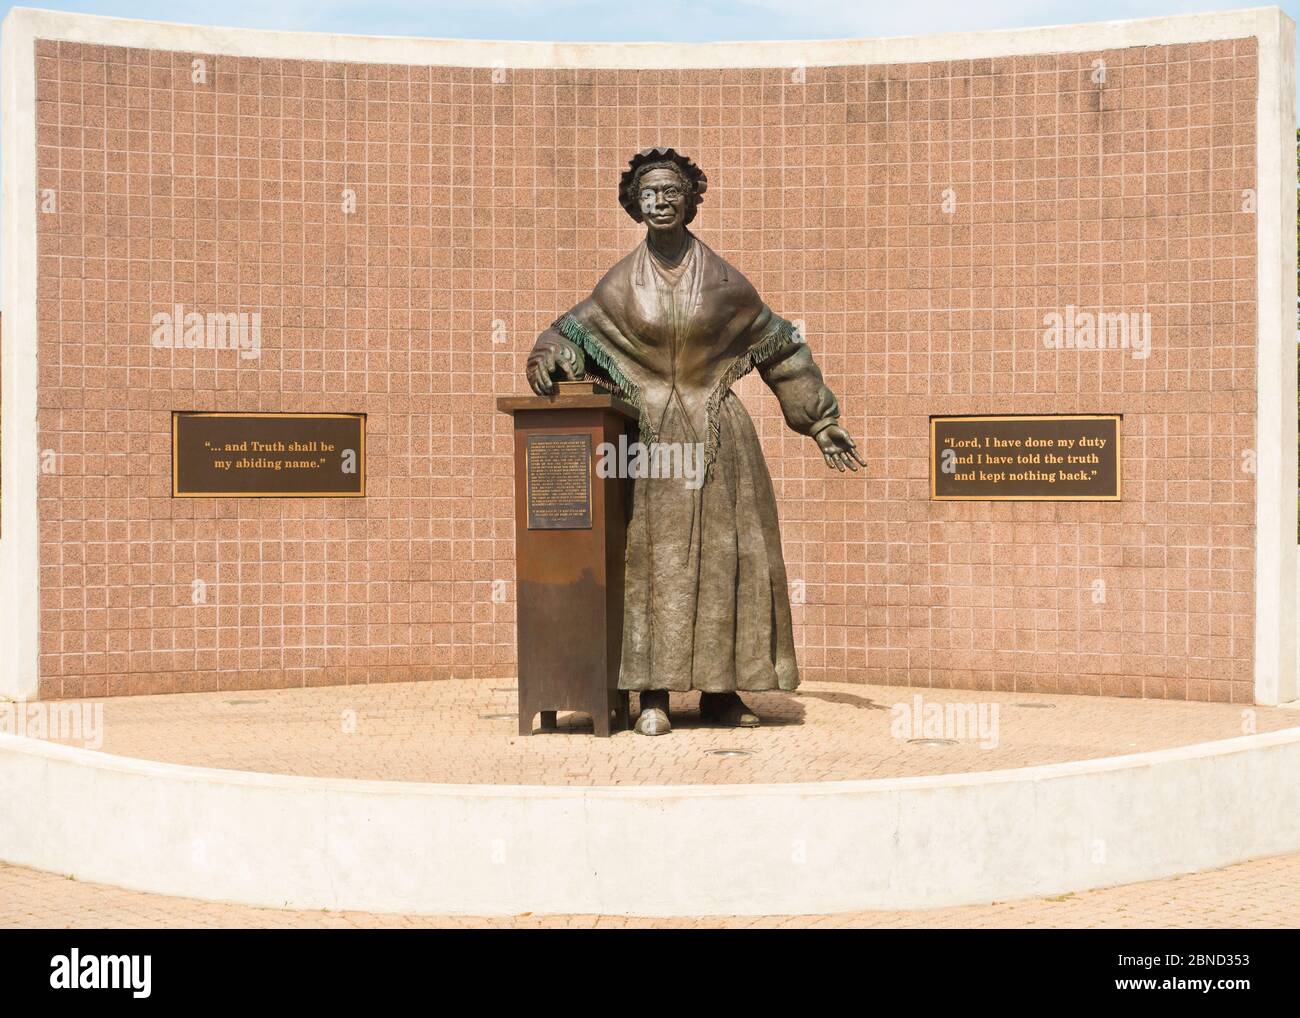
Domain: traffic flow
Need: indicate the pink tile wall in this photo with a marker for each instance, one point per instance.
(485, 207)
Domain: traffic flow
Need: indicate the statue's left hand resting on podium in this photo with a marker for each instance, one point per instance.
(553, 359)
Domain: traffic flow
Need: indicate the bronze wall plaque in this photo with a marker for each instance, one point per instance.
(559, 482)
(1056, 458)
(268, 455)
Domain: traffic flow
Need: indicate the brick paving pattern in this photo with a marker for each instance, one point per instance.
(1260, 893)
(464, 732)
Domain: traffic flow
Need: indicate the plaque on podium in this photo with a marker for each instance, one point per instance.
(570, 535)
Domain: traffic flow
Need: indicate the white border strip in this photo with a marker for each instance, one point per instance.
(788, 849)
(1275, 422)
(248, 42)
(19, 455)
(1275, 556)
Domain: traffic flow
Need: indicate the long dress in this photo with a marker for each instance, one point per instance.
(706, 605)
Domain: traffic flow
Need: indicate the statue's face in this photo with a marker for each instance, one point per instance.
(663, 200)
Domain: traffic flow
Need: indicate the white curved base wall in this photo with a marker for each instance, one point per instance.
(312, 843)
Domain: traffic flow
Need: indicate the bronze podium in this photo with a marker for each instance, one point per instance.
(570, 536)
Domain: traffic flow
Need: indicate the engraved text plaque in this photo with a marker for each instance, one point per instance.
(1057, 458)
(559, 482)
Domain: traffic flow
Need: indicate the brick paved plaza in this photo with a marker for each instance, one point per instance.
(464, 732)
(1261, 893)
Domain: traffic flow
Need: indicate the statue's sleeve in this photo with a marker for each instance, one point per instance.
(553, 340)
(791, 373)
(582, 336)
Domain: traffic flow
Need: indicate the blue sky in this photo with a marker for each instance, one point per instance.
(657, 21)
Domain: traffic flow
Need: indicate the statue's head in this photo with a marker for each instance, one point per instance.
(661, 188)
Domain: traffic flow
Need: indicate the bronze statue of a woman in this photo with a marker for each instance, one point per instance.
(672, 327)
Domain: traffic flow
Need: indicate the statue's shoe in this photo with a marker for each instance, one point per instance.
(727, 709)
(653, 721)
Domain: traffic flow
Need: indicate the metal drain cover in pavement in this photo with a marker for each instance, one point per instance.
(932, 742)
(730, 752)
(1040, 706)
(497, 717)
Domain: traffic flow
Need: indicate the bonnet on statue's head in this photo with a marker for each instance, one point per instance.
(656, 158)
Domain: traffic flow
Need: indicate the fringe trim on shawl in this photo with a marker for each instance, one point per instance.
(578, 334)
(779, 335)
